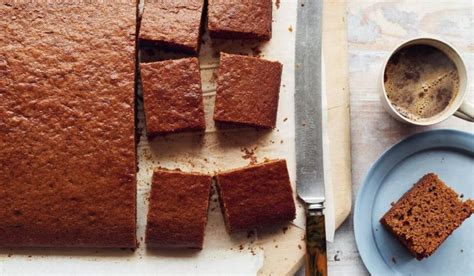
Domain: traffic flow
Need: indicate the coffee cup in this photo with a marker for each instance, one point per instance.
(457, 105)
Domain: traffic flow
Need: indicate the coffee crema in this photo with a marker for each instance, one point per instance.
(420, 81)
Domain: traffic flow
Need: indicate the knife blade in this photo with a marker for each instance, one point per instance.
(309, 131)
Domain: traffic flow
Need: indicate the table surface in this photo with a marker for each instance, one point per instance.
(374, 29)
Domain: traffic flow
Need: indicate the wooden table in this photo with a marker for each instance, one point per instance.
(374, 29)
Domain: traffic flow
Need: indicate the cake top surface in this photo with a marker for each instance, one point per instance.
(257, 195)
(67, 160)
(253, 18)
(427, 214)
(178, 206)
(176, 22)
(172, 95)
(247, 90)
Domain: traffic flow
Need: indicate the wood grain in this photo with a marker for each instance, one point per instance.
(338, 98)
(316, 257)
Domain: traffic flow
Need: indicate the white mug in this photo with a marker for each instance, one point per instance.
(458, 107)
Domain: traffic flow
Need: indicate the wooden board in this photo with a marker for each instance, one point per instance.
(288, 257)
(338, 95)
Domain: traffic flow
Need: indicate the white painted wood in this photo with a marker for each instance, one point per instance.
(374, 28)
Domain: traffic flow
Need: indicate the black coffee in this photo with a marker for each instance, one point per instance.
(420, 81)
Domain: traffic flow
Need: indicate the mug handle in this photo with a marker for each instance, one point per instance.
(466, 111)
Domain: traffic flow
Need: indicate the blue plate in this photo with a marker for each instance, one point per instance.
(449, 154)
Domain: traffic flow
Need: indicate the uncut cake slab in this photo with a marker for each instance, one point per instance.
(67, 135)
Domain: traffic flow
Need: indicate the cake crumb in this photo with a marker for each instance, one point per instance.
(284, 229)
(256, 51)
(299, 246)
(286, 119)
(462, 251)
(290, 29)
(276, 245)
(336, 257)
(277, 4)
(250, 234)
(10, 254)
(249, 154)
(241, 247)
(394, 260)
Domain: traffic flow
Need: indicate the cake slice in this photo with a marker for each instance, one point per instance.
(256, 196)
(174, 25)
(426, 215)
(239, 19)
(177, 213)
(247, 91)
(172, 96)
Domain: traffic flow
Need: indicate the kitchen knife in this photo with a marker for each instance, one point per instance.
(309, 131)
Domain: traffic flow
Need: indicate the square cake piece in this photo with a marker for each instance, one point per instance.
(177, 214)
(239, 19)
(67, 124)
(426, 215)
(247, 91)
(175, 25)
(172, 96)
(256, 196)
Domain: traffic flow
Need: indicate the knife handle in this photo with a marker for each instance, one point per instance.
(316, 258)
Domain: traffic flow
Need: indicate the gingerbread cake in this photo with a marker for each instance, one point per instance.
(256, 196)
(239, 19)
(247, 91)
(426, 215)
(177, 214)
(172, 96)
(174, 25)
(67, 130)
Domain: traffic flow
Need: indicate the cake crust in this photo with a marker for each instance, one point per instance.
(174, 25)
(67, 133)
(247, 91)
(426, 215)
(256, 196)
(172, 95)
(237, 19)
(177, 214)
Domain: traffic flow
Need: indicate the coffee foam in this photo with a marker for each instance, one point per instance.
(421, 82)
